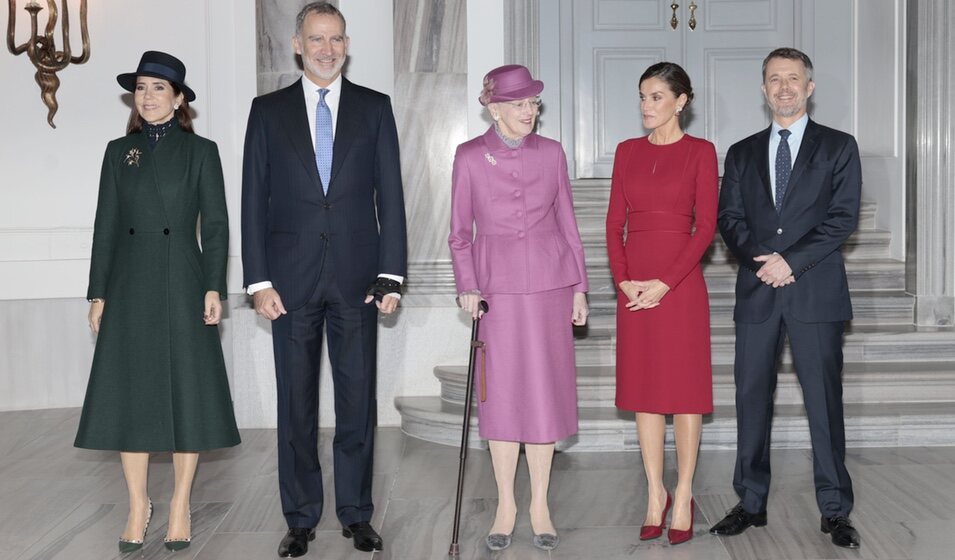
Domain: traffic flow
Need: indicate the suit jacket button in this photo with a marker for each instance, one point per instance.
(131, 231)
(326, 206)
(514, 174)
(779, 231)
(324, 237)
(165, 231)
(520, 235)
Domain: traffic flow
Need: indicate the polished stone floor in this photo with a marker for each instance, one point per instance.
(61, 503)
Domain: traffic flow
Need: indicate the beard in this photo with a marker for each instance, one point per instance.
(786, 110)
(317, 70)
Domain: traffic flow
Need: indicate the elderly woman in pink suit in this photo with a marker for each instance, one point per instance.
(514, 242)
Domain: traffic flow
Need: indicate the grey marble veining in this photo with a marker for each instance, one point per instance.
(430, 111)
(430, 36)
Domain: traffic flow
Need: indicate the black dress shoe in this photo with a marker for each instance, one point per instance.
(364, 535)
(738, 520)
(295, 542)
(842, 531)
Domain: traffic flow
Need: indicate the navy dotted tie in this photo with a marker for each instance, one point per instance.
(323, 140)
(784, 167)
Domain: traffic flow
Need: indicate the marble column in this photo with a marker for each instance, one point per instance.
(431, 113)
(522, 34)
(930, 161)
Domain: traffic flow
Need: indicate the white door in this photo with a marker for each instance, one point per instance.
(616, 40)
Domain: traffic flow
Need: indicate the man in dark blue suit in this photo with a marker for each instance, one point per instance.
(789, 200)
(323, 244)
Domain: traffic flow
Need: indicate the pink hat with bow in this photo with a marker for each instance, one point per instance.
(509, 83)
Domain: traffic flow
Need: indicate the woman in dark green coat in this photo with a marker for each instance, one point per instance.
(158, 381)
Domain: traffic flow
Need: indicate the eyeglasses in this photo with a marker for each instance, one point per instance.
(532, 104)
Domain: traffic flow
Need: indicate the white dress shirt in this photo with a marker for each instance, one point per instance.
(798, 130)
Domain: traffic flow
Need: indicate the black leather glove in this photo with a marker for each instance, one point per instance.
(382, 287)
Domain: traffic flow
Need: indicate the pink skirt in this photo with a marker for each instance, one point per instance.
(531, 369)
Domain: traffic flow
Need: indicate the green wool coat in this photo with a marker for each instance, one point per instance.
(158, 380)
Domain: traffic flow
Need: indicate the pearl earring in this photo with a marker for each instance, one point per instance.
(176, 107)
(678, 109)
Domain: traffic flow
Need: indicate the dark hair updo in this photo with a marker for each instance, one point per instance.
(674, 76)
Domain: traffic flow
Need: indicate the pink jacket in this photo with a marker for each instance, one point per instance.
(513, 229)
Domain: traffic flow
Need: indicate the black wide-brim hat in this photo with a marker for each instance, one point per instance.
(159, 65)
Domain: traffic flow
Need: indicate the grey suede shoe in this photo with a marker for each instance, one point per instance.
(546, 541)
(498, 541)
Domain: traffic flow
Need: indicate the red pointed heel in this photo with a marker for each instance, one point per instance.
(677, 536)
(649, 532)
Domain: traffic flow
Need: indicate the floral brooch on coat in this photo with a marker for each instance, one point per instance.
(132, 157)
(490, 159)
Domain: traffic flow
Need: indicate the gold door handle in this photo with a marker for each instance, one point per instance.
(673, 21)
(692, 21)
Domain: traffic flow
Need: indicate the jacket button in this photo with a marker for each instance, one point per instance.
(779, 231)
(517, 194)
(514, 174)
(165, 231)
(131, 231)
(324, 237)
(520, 235)
(326, 206)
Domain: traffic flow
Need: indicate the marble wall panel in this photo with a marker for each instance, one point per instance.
(430, 36)
(431, 113)
(432, 121)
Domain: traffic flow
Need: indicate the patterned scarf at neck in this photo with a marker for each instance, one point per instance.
(510, 142)
(155, 132)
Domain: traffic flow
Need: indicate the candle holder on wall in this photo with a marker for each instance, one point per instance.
(41, 48)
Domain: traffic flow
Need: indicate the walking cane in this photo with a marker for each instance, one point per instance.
(455, 550)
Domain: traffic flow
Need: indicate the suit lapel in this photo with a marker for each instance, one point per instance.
(296, 126)
(806, 150)
(761, 155)
(346, 128)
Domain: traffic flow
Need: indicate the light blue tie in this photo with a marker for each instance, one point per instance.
(323, 140)
(784, 168)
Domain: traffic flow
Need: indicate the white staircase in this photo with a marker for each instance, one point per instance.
(899, 381)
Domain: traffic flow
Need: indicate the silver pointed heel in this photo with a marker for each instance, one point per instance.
(498, 541)
(546, 541)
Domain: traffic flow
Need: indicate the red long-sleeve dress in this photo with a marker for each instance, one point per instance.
(660, 222)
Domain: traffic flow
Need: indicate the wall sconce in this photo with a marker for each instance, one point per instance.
(42, 50)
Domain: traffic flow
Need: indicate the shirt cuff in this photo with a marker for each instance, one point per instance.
(257, 287)
(398, 279)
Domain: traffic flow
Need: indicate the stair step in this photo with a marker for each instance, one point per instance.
(863, 275)
(610, 429)
(862, 343)
(592, 196)
(887, 382)
(868, 308)
(863, 244)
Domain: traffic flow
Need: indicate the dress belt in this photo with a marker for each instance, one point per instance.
(658, 221)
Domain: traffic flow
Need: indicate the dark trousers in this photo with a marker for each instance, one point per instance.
(297, 343)
(817, 357)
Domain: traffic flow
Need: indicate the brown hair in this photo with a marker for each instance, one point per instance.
(790, 54)
(325, 8)
(674, 76)
(182, 114)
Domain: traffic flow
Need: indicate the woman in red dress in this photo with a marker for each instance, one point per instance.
(660, 222)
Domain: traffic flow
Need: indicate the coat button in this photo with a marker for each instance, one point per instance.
(131, 231)
(514, 174)
(519, 213)
(520, 235)
(165, 231)
(517, 194)
(324, 237)
(326, 206)
(779, 231)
